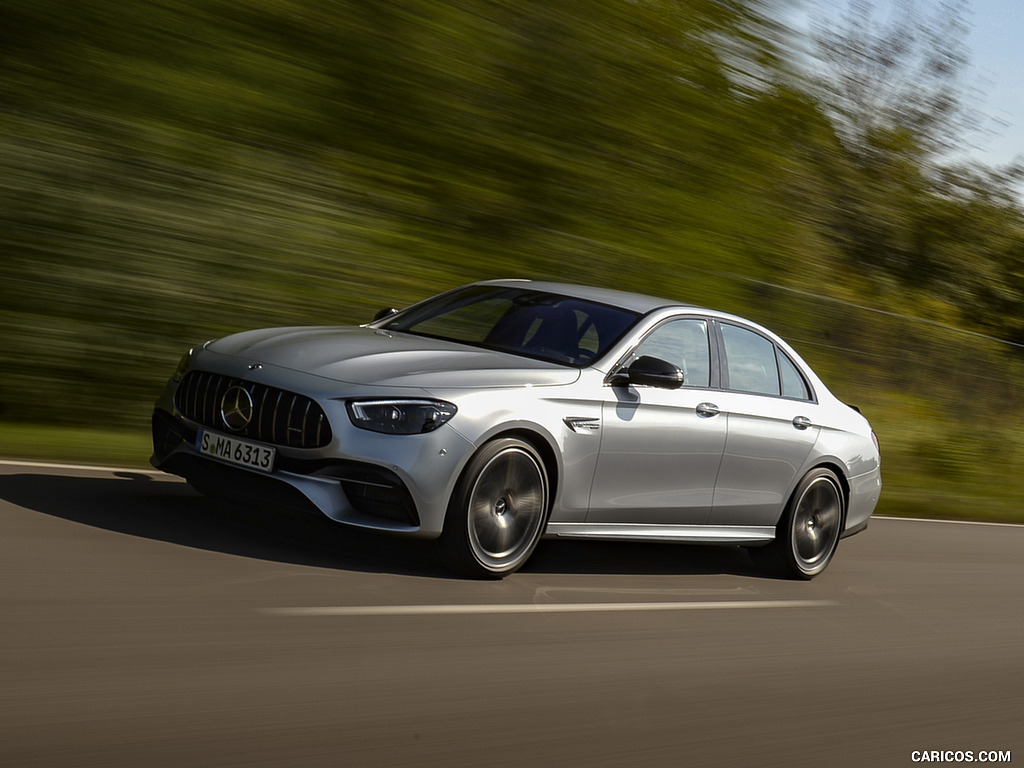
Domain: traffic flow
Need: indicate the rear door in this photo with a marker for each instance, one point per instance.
(772, 427)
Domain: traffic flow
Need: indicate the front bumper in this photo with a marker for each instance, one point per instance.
(346, 489)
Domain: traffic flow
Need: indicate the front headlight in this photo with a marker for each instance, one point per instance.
(400, 417)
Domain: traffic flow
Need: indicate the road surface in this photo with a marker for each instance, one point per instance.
(144, 625)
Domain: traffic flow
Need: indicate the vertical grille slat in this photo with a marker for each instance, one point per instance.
(288, 428)
(208, 409)
(212, 398)
(198, 382)
(260, 410)
(305, 422)
(273, 418)
(279, 417)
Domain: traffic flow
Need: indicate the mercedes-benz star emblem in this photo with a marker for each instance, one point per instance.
(236, 408)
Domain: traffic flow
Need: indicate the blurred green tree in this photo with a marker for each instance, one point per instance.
(902, 204)
(173, 171)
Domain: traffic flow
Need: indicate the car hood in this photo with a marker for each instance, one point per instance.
(373, 357)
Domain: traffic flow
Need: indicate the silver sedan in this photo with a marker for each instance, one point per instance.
(503, 411)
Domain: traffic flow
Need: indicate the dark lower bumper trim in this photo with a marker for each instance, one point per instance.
(369, 492)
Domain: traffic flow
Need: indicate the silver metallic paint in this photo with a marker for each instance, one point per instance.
(683, 476)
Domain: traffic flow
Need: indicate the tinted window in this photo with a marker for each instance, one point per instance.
(793, 384)
(544, 325)
(684, 343)
(750, 361)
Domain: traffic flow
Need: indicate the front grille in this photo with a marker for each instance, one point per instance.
(278, 417)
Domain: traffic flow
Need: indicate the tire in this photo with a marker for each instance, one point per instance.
(498, 510)
(808, 533)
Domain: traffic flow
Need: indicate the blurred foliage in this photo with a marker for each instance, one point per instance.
(905, 78)
(60, 442)
(173, 171)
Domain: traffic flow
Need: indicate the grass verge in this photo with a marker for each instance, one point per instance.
(76, 445)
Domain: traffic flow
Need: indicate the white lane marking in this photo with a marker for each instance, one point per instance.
(78, 467)
(949, 522)
(453, 610)
(543, 595)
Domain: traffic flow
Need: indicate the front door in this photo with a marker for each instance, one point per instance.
(661, 448)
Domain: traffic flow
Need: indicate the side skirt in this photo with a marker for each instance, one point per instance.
(695, 534)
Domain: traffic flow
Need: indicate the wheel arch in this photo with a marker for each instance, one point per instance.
(844, 486)
(548, 454)
(461, 543)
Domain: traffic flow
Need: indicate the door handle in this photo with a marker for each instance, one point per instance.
(707, 410)
(802, 422)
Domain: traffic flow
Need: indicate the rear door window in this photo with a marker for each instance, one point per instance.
(755, 364)
(751, 365)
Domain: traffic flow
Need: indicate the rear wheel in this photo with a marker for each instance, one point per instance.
(497, 513)
(808, 533)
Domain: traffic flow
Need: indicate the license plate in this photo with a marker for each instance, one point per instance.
(236, 451)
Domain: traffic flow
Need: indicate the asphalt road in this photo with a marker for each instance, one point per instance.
(143, 625)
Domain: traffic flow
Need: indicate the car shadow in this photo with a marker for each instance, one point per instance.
(137, 504)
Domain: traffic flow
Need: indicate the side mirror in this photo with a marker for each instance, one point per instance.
(385, 313)
(649, 372)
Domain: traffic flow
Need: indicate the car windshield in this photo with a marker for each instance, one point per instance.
(547, 326)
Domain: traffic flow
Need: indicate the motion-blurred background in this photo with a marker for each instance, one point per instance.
(171, 171)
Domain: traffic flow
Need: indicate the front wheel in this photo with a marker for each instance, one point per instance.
(808, 533)
(497, 513)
